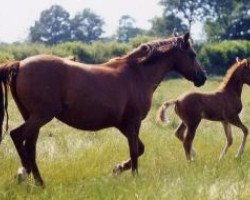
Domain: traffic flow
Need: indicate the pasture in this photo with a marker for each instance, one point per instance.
(78, 165)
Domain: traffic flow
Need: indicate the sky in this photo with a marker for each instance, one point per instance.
(17, 16)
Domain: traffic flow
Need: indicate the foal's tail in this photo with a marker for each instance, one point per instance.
(8, 72)
(161, 114)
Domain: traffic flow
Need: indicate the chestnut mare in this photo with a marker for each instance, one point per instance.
(92, 97)
(222, 105)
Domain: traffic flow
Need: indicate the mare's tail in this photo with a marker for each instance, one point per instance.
(8, 72)
(161, 114)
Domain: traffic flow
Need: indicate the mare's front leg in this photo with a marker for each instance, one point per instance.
(136, 147)
(237, 122)
(229, 137)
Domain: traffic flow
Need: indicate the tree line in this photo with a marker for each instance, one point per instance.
(222, 19)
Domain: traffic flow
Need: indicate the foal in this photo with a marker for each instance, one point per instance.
(223, 105)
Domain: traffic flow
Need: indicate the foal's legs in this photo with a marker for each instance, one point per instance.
(180, 134)
(229, 137)
(237, 122)
(188, 140)
(24, 138)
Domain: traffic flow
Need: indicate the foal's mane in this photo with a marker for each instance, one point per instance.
(230, 72)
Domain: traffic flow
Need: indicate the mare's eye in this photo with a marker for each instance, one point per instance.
(193, 55)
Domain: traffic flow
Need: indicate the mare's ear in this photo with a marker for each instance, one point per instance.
(186, 37)
(238, 60)
(175, 34)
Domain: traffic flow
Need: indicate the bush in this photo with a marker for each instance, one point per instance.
(80, 50)
(97, 52)
(21, 51)
(4, 56)
(136, 41)
(218, 57)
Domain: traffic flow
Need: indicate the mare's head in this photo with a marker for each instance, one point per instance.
(186, 62)
(175, 53)
(243, 67)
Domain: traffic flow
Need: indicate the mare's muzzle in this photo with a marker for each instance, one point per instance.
(200, 78)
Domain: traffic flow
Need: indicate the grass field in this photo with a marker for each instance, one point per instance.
(78, 165)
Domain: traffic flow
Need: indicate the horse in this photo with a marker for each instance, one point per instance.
(224, 105)
(117, 93)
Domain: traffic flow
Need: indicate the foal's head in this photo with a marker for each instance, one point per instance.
(244, 70)
(186, 61)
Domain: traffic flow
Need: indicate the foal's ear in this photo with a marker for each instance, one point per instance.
(248, 62)
(238, 60)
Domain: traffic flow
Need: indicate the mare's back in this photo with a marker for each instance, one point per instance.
(41, 79)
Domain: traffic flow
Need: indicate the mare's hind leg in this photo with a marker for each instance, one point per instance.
(126, 165)
(24, 138)
(237, 122)
(229, 137)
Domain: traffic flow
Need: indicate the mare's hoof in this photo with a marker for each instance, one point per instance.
(117, 170)
(135, 173)
(39, 183)
(22, 174)
(193, 153)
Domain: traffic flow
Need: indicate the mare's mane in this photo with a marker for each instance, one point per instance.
(146, 51)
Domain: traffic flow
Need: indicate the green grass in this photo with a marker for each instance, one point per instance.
(78, 165)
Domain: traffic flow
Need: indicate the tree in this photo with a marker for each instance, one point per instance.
(189, 10)
(53, 26)
(230, 19)
(86, 26)
(165, 25)
(127, 29)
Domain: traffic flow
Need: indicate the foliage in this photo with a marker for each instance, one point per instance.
(127, 29)
(230, 19)
(96, 52)
(191, 10)
(78, 49)
(139, 39)
(218, 57)
(53, 26)
(86, 26)
(5, 56)
(20, 51)
(165, 26)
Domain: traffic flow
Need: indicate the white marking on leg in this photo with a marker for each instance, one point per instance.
(22, 174)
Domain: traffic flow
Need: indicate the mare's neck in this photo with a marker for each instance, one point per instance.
(153, 73)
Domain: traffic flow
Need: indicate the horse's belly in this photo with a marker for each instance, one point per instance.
(89, 120)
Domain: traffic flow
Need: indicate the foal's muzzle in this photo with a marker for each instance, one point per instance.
(200, 78)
